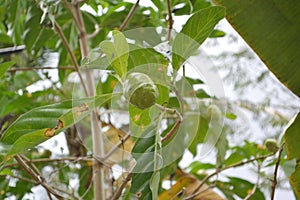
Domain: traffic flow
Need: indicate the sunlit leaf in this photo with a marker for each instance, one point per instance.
(117, 52)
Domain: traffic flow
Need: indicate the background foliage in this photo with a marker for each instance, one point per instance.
(42, 50)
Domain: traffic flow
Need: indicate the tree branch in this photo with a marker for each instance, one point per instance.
(97, 135)
(276, 171)
(36, 176)
(129, 16)
(122, 186)
(39, 68)
(195, 193)
(73, 59)
(170, 19)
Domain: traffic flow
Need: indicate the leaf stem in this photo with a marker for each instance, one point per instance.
(177, 123)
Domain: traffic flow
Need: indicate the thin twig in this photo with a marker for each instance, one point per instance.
(195, 193)
(20, 178)
(276, 171)
(73, 59)
(122, 186)
(116, 147)
(129, 16)
(37, 177)
(170, 19)
(256, 184)
(38, 68)
(40, 160)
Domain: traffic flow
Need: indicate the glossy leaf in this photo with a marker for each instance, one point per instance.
(38, 125)
(271, 28)
(194, 32)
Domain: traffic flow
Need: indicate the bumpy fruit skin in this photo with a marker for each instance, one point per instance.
(140, 90)
(271, 145)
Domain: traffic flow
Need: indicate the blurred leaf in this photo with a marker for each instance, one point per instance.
(6, 171)
(272, 29)
(24, 79)
(201, 134)
(231, 116)
(194, 32)
(5, 39)
(217, 33)
(187, 183)
(4, 67)
(117, 52)
(193, 81)
(197, 166)
(240, 187)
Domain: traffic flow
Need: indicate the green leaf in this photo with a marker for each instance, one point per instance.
(194, 32)
(140, 56)
(5, 39)
(39, 124)
(146, 152)
(295, 180)
(240, 187)
(196, 166)
(4, 67)
(201, 134)
(292, 138)
(217, 33)
(271, 28)
(138, 116)
(292, 141)
(117, 52)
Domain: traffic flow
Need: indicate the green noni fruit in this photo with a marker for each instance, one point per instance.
(140, 90)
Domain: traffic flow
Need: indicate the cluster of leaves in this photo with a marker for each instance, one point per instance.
(160, 134)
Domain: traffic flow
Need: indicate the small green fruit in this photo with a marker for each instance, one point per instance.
(271, 145)
(140, 90)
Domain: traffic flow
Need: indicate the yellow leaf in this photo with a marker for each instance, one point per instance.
(185, 186)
